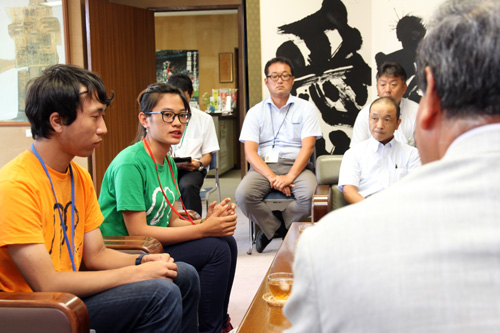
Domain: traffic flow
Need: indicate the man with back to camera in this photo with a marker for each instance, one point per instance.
(380, 161)
(422, 255)
(50, 219)
(391, 82)
(279, 135)
(198, 141)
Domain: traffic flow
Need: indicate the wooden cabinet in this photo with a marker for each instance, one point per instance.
(227, 135)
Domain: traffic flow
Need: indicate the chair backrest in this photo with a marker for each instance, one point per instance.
(328, 169)
(206, 191)
(327, 173)
(214, 164)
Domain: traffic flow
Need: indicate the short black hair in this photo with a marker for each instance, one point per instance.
(58, 90)
(392, 69)
(283, 60)
(389, 100)
(182, 81)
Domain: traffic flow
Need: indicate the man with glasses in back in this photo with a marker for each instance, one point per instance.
(279, 135)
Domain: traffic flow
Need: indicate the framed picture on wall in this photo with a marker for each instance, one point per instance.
(169, 62)
(33, 35)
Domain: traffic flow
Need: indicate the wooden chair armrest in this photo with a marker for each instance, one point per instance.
(43, 312)
(134, 244)
(321, 202)
(194, 215)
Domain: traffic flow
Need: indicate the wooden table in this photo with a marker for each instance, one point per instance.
(260, 316)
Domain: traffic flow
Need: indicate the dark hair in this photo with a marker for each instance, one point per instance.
(392, 69)
(278, 59)
(150, 96)
(58, 90)
(388, 100)
(462, 48)
(183, 82)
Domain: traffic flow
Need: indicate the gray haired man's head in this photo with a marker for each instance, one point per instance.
(462, 49)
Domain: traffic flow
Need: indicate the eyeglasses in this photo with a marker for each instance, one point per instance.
(284, 76)
(169, 116)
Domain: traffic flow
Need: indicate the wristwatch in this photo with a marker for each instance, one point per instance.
(201, 165)
(138, 260)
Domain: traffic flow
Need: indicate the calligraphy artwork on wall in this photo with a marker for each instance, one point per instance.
(409, 30)
(398, 28)
(330, 71)
(336, 47)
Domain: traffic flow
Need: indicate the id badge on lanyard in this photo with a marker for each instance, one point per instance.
(271, 156)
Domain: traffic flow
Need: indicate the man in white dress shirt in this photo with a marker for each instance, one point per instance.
(391, 82)
(279, 135)
(198, 141)
(424, 254)
(378, 162)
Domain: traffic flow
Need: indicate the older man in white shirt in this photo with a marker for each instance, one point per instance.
(378, 162)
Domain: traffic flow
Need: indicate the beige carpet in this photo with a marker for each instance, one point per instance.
(250, 269)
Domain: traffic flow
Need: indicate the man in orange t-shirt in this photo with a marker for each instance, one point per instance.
(50, 219)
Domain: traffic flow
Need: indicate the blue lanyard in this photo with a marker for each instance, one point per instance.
(71, 252)
(272, 123)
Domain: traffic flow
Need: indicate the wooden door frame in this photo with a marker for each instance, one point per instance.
(125, 71)
(241, 57)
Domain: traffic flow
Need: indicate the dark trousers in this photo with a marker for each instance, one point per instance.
(215, 260)
(190, 183)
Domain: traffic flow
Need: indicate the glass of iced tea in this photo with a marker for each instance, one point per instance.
(280, 285)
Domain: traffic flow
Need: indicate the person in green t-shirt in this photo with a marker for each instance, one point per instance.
(138, 196)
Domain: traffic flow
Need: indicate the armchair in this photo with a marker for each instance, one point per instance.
(133, 244)
(43, 312)
(61, 312)
(327, 196)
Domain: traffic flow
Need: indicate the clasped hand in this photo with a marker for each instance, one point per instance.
(158, 266)
(282, 183)
(221, 219)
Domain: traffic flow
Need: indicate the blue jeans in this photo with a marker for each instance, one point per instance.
(215, 260)
(156, 305)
